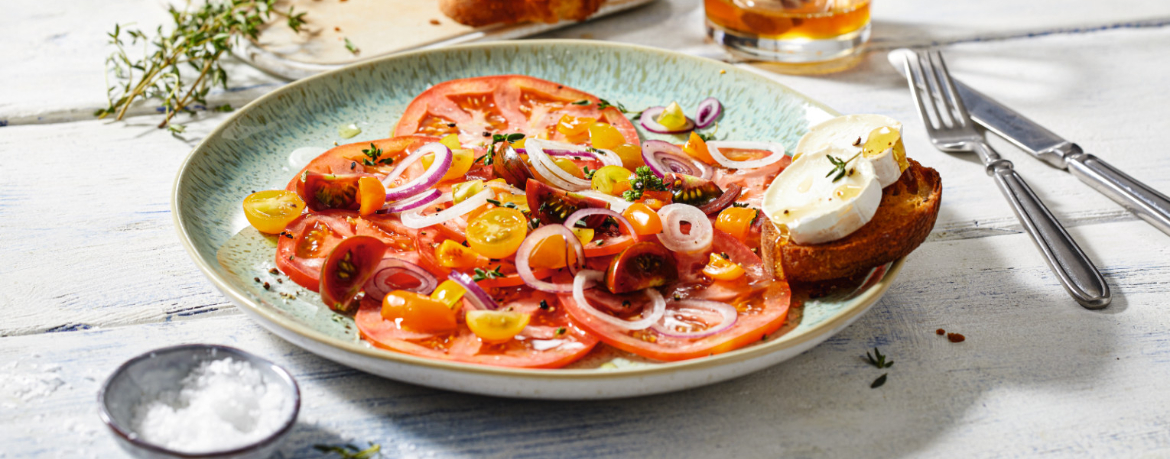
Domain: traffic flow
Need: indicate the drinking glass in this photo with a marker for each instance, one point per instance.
(789, 31)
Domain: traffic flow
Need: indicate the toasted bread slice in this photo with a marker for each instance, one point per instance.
(903, 220)
(477, 13)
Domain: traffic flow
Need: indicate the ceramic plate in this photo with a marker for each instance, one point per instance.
(266, 142)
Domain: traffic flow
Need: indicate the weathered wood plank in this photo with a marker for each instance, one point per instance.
(1037, 374)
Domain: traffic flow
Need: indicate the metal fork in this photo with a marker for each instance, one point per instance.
(951, 130)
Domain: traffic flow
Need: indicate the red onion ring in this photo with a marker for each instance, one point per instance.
(475, 294)
(414, 202)
(700, 238)
(664, 157)
(589, 276)
(524, 269)
(776, 149)
(415, 219)
(709, 110)
(615, 203)
(590, 211)
(669, 319)
(428, 179)
(549, 170)
(650, 124)
(381, 282)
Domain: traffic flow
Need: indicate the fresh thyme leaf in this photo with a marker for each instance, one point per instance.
(588, 172)
(839, 166)
(495, 202)
(350, 46)
(706, 137)
(604, 104)
(480, 274)
(877, 359)
(644, 180)
(739, 204)
(200, 36)
(879, 381)
(582, 102)
(534, 223)
(350, 451)
(225, 108)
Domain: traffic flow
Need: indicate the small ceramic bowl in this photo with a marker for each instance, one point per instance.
(163, 369)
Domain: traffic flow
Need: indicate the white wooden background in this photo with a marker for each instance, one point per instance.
(91, 271)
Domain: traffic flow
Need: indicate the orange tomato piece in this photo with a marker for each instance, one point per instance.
(697, 148)
(720, 268)
(644, 219)
(736, 221)
(371, 194)
(452, 254)
(417, 312)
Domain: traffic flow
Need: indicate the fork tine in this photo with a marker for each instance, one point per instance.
(936, 91)
(920, 92)
(956, 103)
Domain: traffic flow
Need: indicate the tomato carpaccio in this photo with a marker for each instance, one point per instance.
(560, 331)
(501, 104)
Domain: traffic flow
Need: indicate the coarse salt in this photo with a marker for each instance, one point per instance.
(222, 404)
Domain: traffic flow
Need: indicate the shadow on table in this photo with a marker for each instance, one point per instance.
(817, 404)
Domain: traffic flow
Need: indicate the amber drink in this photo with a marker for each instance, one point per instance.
(790, 31)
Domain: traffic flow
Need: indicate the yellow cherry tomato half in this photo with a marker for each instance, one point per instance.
(736, 221)
(452, 254)
(644, 219)
(720, 268)
(371, 194)
(465, 190)
(631, 155)
(672, 117)
(270, 211)
(417, 312)
(605, 136)
(497, 233)
(451, 141)
(696, 147)
(607, 177)
(461, 160)
(585, 235)
(572, 126)
(496, 326)
(448, 293)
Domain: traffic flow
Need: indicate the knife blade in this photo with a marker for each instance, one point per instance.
(1137, 197)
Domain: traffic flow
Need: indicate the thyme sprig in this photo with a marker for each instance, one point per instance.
(480, 274)
(839, 166)
(877, 359)
(489, 158)
(198, 40)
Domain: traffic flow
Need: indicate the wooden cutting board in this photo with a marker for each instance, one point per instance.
(374, 28)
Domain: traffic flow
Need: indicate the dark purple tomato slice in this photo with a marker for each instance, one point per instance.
(346, 270)
(330, 191)
(554, 205)
(642, 265)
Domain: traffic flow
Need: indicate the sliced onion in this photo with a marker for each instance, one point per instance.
(669, 321)
(709, 110)
(673, 216)
(591, 277)
(478, 298)
(505, 187)
(428, 179)
(606, 157)
(548, 169)
(524, 269)
(723, 201)
(648, 121)
(664, 157)
(415, 219)
(414, 202)
(590, 211)
(776, 149)
(615, 203)
(381, 282)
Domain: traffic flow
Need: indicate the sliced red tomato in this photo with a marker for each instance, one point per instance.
(753, 181)
(379, 157)
(549, 341)
(762, 304)
(306, 242)
(503, 104)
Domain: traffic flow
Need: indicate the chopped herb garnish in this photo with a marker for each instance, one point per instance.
(604, 104)
(480, 274)
(508, 205)
(706, 137)
(878, 361)
(350, 451)
(534, 223)
(588, 172)
(582, 102)
(839, 166)
(581, 224)
(600, 242)
(879, 381)
(560, 331)
(350, 46)
(644, 180)
(739, 204)
(489, 158)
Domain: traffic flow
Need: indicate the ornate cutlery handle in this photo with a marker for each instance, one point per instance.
(1146, 202)
(1078, 275)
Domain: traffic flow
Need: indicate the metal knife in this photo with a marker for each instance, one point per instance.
(1137, 197)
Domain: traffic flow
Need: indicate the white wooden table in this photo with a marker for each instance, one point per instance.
(92, 273)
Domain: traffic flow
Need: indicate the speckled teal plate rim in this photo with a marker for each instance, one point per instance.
(856, 305)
